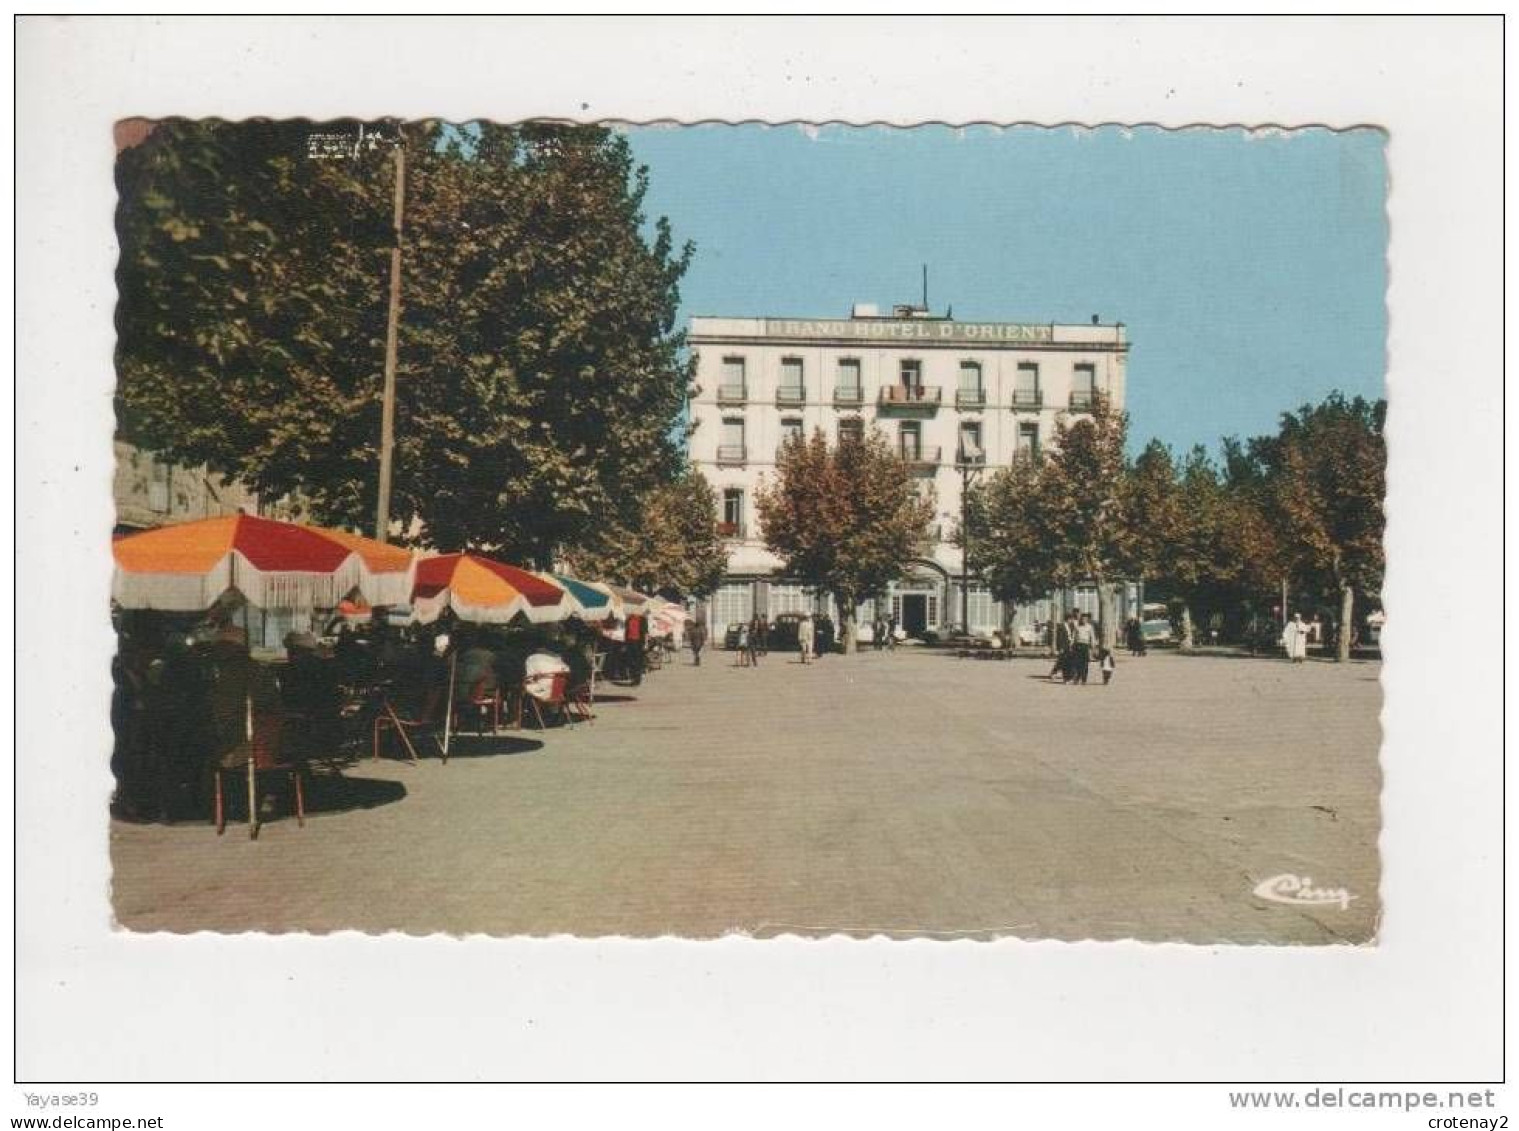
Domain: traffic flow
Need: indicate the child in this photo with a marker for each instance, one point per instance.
(1107, 663)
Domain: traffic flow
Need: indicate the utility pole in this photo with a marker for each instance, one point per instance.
(392, 331)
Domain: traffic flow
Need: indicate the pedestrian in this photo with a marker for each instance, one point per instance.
(1082, 641)
(1064, 641)
(1134, 636)
(1295, 639)
(636, 636)
(891, 634)
(696, 636)
(824, 634)
(878, 634)
(804, 636)
(1107, 663)
(756, 639)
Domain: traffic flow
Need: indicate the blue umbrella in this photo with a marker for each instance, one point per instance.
(590, 603)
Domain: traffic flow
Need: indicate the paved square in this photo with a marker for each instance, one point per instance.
(908, 794)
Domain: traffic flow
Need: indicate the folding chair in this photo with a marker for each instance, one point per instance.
(390, 719)
(556, 699)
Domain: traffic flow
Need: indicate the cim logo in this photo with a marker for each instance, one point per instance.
(1300, 892)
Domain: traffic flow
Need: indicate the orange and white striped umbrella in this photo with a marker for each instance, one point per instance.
(274, 565)
(485, 591)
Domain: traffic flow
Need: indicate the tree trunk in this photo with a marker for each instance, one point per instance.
(847, 627)
(1187, 640)
(1347, 609)
(1107, 613)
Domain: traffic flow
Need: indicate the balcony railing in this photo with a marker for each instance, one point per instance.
(732, 394)
(966, 457)
(910, 396)
(920, 457)
(790, 394)
(1028, 399)
(1082, 402)
(730, 529)
(731, 453)
(970, 398)
(848, 394)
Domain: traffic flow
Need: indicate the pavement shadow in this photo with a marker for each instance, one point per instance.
(338, 793)
(490, 746)
(600, 698)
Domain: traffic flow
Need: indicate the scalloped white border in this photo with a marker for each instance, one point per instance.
(1423, 1006)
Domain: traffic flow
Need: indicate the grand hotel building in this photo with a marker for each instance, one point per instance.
(952, 397)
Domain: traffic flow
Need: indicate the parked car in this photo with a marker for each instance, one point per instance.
(1034, 635)
(783, 633)
(1156, 631)
(730, 636)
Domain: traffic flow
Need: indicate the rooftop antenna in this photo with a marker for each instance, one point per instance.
(925, 288)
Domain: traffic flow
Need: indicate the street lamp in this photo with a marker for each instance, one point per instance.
(970, 469)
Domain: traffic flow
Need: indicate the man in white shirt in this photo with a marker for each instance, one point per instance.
(1083, 639)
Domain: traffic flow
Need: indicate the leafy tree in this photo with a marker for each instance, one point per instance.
(1083, 484)
(667, 544)
(1324, 479)
(1011, 549)
(539, 380)
(845, 520)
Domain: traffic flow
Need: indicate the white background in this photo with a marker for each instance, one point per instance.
(97, 1004)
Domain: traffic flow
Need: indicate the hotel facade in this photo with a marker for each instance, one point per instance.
(956, 399)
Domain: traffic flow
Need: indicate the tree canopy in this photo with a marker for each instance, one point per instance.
(845, 519)
(540, 378)
(667, 544)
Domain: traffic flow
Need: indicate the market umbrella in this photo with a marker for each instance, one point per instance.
(668, 618)
(589, 601)
(187, 567)
(486, 591)
(483, 591)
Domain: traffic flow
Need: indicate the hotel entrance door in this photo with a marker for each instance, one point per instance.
(915, 614)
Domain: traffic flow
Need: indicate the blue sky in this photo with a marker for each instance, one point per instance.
(1251, 270)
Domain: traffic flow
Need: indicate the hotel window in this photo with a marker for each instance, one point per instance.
(733, 511)
(791, 379)
(910, 440)
(791, 429)
(1026, 385)
(851, 429)
(1083, 386)
(847, 386)
(732, 387)
(970, 443)
(912, 377)
(969, 391)
(730, 446)
(1028, 440)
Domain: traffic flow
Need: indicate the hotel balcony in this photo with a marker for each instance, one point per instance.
(920, 459)
(731, 453)
(970, 398)
(970, 457)
(734, 531)
(848, 394)
(909, 397)
(1083, 402)
(790, 395)
(732, 394)
(1027, 400)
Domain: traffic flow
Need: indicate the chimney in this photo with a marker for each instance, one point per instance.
(1094, 320)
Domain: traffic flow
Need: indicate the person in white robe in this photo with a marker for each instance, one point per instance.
(1295, 639)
